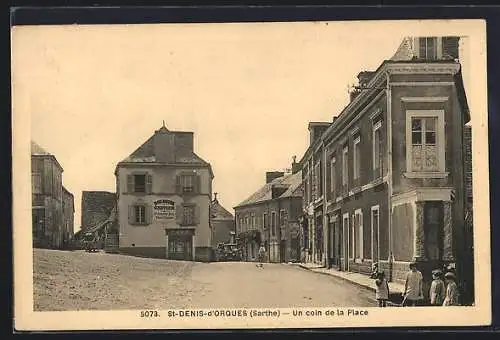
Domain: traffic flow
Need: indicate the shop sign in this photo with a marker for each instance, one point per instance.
(164, 209)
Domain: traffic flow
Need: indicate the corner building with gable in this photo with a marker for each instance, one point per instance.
(164, 195)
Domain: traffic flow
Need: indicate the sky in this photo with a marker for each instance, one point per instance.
(247, 91)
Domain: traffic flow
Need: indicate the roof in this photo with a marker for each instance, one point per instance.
(146, 153)
(219, 212)
(292, 182)
(96, 202)
(38, 151)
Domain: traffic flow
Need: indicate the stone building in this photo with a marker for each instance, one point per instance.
(223, 225)
(164, 192)
(270, 217)
(52, 227)
(383, 181)
(68, 209)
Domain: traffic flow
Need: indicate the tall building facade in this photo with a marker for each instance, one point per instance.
(381, 181)
(52, 204)
(164, 195)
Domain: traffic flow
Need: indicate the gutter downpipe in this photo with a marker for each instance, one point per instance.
(389, 174)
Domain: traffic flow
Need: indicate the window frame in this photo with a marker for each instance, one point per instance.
(377, 127)
(144, 207)
(184, 187)
(135, 176)
(440, 144)
(333, 176)
(36, 183)
(193, 214)
(356, 155)
(345, 166)
(372, 210)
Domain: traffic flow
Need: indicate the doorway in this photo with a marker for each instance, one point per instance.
(283, 251)
(180, 246)
(433, 228)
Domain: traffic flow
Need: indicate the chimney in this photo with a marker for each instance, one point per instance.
(295, 165)
(272, 175)
(316, 129)
(164, 147)
(215, 197)
(183, 143)
(364, 78)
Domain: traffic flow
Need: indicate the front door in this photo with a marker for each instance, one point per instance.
(282, 251)
(345, 237)
(433, 228)
(180, 247)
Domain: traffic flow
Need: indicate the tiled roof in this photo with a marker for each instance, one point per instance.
(291, 182)
(38, 150)
(219, 212)
(146, 154)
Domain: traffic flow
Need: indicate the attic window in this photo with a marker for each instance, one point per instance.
(428, 48)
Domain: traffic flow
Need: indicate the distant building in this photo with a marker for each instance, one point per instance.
(222, 223)
(383, 181)
(52, 226)
(96, 207)
(164, 192)
(68, 218)
(270, 216)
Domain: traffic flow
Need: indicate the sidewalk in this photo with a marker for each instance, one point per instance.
(362, 280)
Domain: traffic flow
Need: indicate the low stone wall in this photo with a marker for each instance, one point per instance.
(203, 254)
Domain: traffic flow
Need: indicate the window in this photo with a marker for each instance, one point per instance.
(139, 183)
(377, 150)
(247, 225)
(241, 225)
(332, 177)
(318, 182)
(425, 141)
(253, 221)
(428, 48)
(36, 183)
(264, 217)
(345, 167)
(282, 218)
(188, 215)
(273, 223)
(187, 183)
(357, 159)
(139, 214)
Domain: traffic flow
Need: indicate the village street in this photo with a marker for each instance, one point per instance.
(100, 281)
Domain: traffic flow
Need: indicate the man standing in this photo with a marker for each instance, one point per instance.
(413, 286)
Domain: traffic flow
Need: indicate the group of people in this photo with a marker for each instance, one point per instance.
(443, 289)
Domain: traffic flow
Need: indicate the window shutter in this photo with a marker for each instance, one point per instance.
(149, 183)
(149, 214)
(196, 214)
(131, 212)
(179, 216)
(178, 184)
(197, 184)
(130, 183)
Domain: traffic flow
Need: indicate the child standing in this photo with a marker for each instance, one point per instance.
(451, 298)
(413, 286)
(382, 289)
(437, 290)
